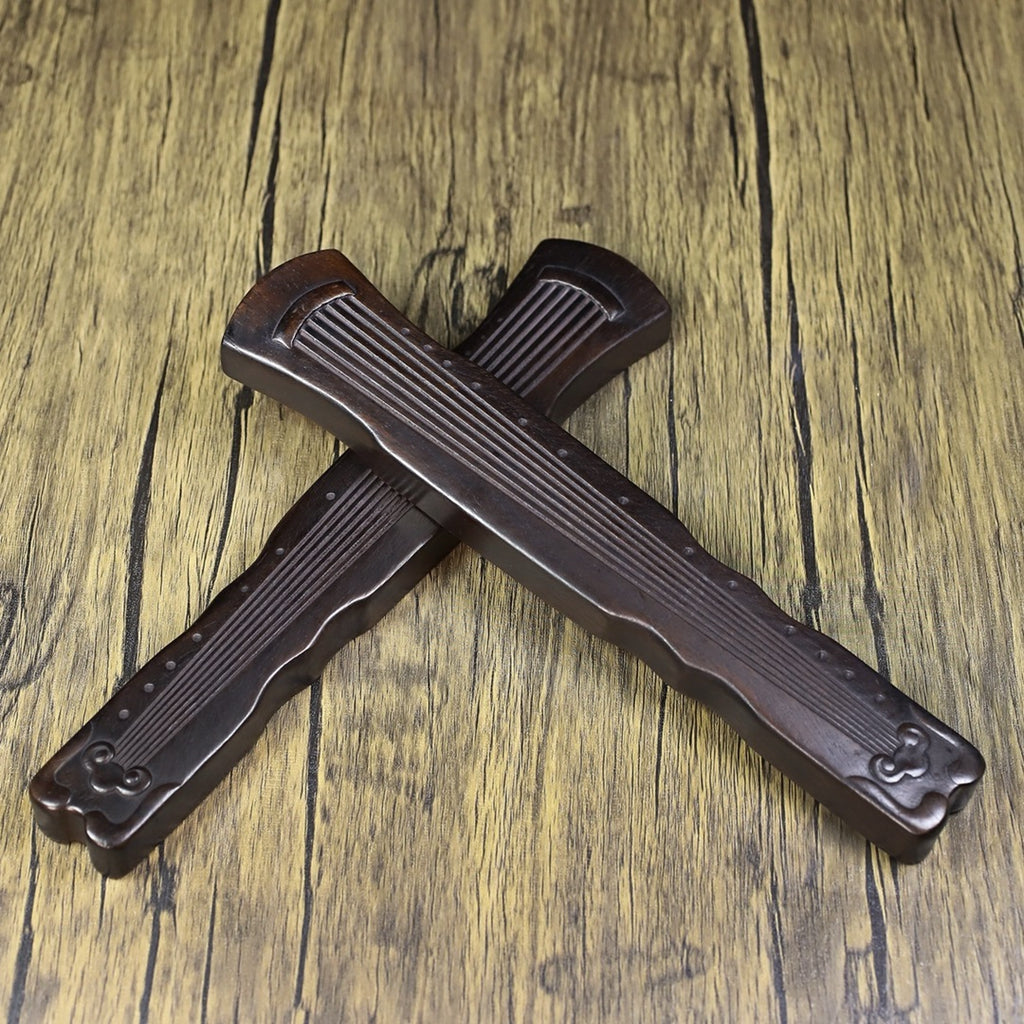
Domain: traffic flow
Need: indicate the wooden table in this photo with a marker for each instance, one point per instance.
(482, 813)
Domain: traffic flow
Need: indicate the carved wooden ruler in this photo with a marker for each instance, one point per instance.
(345, 554)
(479, 460)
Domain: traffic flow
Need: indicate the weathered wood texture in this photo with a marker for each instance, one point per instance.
(482, 813)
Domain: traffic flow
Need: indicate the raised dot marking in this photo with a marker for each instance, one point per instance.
(278, 551)
(562, 452)
(733, 584)
(197, 638)
(148, 687)
(789, 630)
(170, 665)
(522, 421)
(331, 495)
(688, 551)
(123, 714)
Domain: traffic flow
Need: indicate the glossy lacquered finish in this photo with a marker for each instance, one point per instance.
(479, 460)
(348, 550)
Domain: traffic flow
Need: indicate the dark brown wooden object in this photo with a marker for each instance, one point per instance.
(477, 459)
(345, 554)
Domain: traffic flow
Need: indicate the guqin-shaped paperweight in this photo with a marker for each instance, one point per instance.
(479, 460)
(345, 554)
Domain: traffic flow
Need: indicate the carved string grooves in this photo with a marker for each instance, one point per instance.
(543, 485)
(586, 515)
(539, 301)
(245, 646)
(244, 638)
(525, 472)
(847, 713)
(342, 535)
(250, 630)
(574, 328)
(237, 639)
(548, 312)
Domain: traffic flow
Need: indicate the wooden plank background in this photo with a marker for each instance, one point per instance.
(482, 813)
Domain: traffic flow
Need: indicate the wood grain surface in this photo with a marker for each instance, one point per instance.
(482, 813)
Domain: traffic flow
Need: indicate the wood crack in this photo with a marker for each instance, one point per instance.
(243, 403)
(23, 958)
(137, 533)
(262, 77)
(265, 253)
(811, 591)
(763, 161)
(312, 789)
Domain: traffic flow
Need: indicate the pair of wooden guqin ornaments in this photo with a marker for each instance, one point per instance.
(447, 445)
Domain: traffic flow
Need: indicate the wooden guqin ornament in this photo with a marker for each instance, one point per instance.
(483, 463)
(345, 554)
